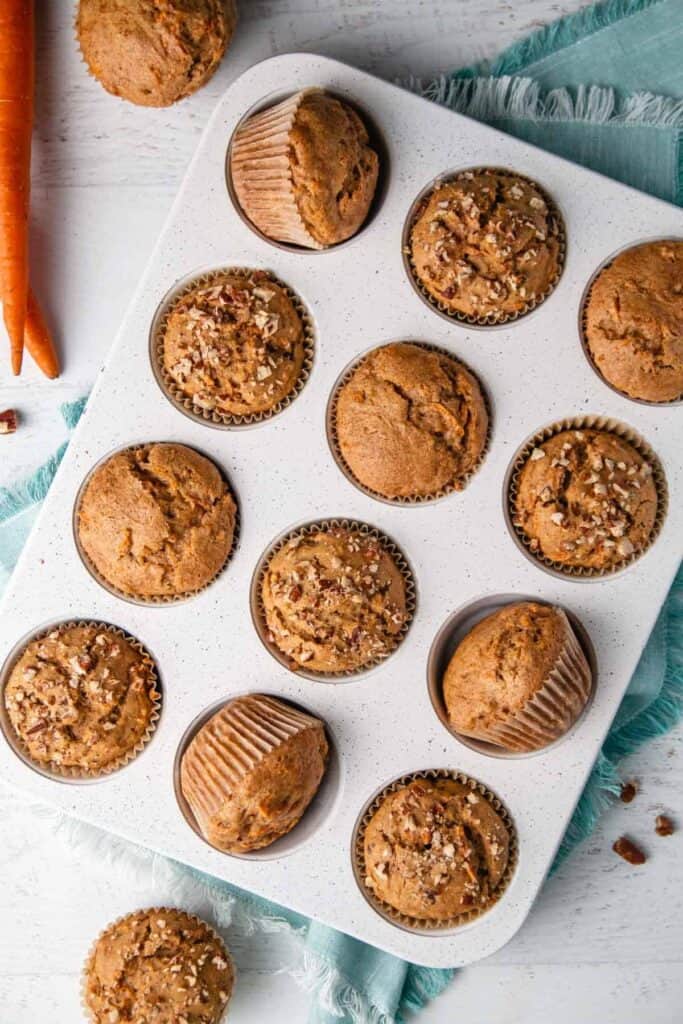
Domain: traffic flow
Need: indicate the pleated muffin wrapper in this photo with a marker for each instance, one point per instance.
(458, 484)
(608, 425)
(153, 599)
(491, 319)
(72, 774)
(324, 526)
(160, 911)
(261, 173)
(214, 417)
(231, 745)
(427, 924)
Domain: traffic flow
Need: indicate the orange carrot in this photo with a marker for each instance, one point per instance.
(38, 340)
(16, 123)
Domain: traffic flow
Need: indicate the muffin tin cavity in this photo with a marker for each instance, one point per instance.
(315, 816)
(456, 628)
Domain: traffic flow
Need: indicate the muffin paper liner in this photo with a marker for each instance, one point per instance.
(261, 173)
(214, 417)
(608, 425)
(323, 525)
(234, 746)
(491, 319)
(61, 772)
(458, 484)
(156, 599)
(152, 910)
(428, 924)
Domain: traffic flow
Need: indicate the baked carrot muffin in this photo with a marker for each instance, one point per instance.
(586, 498)
(633, 322)
(234, 344)
(154, 53)
(156, 521)
(486, 244)
(303, 171)
(82, 699)
(411, 422)
(436, 849)
(334, 600)
(519, 679)
(159, 965)
(251, 771)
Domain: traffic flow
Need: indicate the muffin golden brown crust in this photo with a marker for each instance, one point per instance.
(411, 422)
(81, 698)
(334, 600)
(435, 849)
(252, 770)
(486, 244)
(586, 498)
(234, 345)
(154, 53)
(519, 678)
(158, 965)
(633, 322)
(157, 520)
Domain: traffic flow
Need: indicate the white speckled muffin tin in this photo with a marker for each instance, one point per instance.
(207, 649)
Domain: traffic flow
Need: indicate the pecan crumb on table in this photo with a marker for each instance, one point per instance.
(628, 792)
(8, 421)
(629, 851)
(664, 826)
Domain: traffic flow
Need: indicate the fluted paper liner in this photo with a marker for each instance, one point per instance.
(214, 417)
(230, 746)
(459, 484)
(323, 525)
(62, 772)
(156, 599)
(428, 924)
(261, 173)
(160, 911)
(609, 425)
(491, 319)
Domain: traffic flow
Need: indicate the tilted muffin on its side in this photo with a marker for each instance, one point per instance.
(411, 422)
(160, 965)
(633, 322)
(334, 600)
(234, 345)
(519, 679)
(157, 520)
(486, 244)
(586, 498)
(154, 53)
(436, 850)
(303, 171)
(251, 771)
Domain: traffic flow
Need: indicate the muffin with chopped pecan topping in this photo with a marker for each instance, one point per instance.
(233, 345)
(334, 600)
(435, 850)
(586, 498)
(486, 245)
(411, 422)
(82, 699)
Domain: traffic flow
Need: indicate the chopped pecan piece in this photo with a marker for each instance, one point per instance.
(664, 826)
(8, 421)
(629, 851)
(628, 791)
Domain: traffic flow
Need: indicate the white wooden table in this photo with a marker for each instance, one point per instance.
(604, 944)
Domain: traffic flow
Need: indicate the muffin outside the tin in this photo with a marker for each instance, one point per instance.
(82, 699)
(252, 770)
(486, 244)
(519, 679)
(303, 170)
(157, 520)
(154, 54)
(633, 322)
(334, 600)
(160, 965)
(411, 422)
(234, 344)
(586, 498)
(435, 850)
